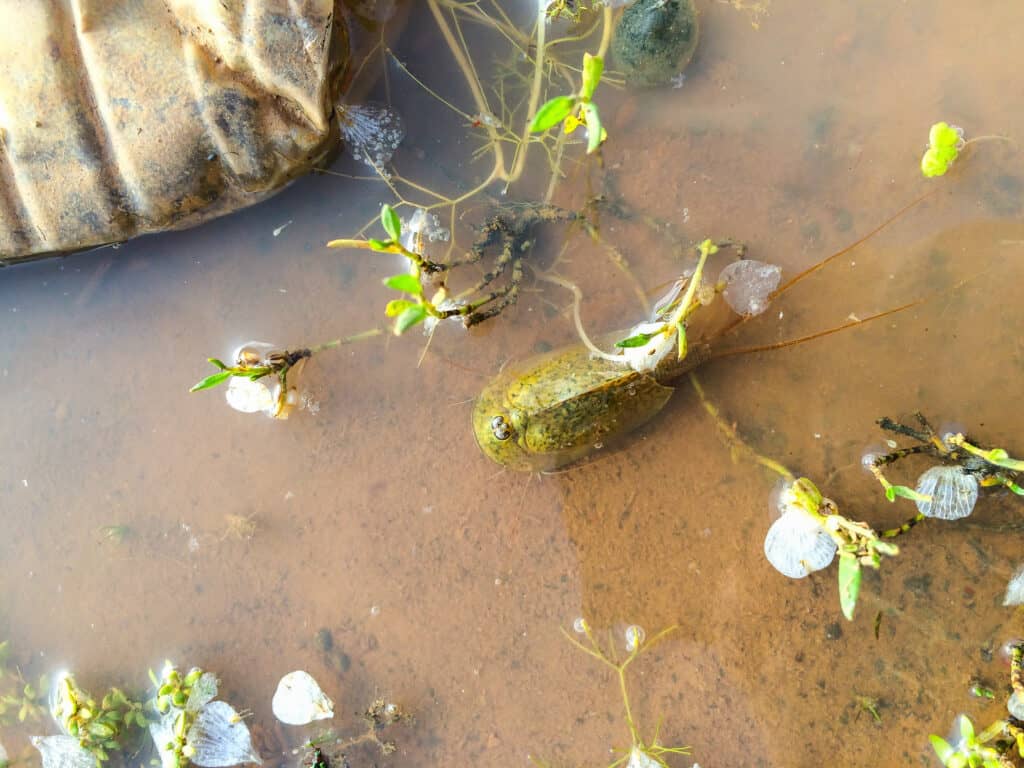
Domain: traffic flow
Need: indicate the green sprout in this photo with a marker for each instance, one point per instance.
(639, 752)
(20, 701)
(969, 751)
(577, 109)
(991, 747)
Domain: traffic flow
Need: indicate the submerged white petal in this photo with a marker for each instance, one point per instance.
(953, 493)
(220, 738)
(162, 733)
(63, 752)
(204, 690)
(249, 396)
(1015, 705)
(796, 545)
(748, 284)
(640, 759)
(299, 700)
(1015, 590)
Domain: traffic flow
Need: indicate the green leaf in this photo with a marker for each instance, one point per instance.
(211, 381)
(966, 730)
(593, 67)
(409, 317)
(885, 548)
(637, 340)
(396, 307)
(903, 492)
(552, 113)
(378, 245)
(216, 362)
(596, 133)
(405, 283)
(849, 583)
(391, 223)
(942, 748)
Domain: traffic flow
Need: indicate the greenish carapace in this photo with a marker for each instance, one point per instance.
(557, 408)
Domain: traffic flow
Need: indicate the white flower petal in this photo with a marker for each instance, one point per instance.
(219, 738)
(63, 752)
(1015, 590)
(299, 700)
(250, 396)
(953, 493)
(204, 690)
(796, 545)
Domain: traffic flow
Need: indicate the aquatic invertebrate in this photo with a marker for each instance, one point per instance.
(555, 409)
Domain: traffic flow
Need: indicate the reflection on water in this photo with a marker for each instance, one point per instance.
(441, 580)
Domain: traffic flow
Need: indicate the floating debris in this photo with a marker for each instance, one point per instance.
(950, 492)
(1015, 591)
(299, 700)
(748, 284)
(218, 738)
(797, 545)
(282, 228)
(372, 132)
(63, 752)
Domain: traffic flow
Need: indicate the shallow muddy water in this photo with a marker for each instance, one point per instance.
(444, 581)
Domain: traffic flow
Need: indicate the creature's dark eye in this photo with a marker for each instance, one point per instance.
(501, 428)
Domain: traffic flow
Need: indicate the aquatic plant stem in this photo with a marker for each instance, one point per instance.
(732, 436)
(534, 102)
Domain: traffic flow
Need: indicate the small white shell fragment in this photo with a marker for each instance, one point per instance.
(1015, 705)
(250, 396)
(299, 700)
(796, 545)
(1015, 591)
(220, 738)
(63, 752)
(953, 493)
(640, 759)
(748, 284)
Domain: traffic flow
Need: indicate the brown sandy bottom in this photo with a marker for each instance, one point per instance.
(443, 580)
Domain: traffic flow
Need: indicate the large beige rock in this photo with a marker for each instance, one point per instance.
(122, 117)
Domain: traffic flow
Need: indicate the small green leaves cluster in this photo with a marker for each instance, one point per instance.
(20, 701)
(969, 752)
(577, 109)
(944, 144)
(225, 372)
(100, 728)
(173, 688)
